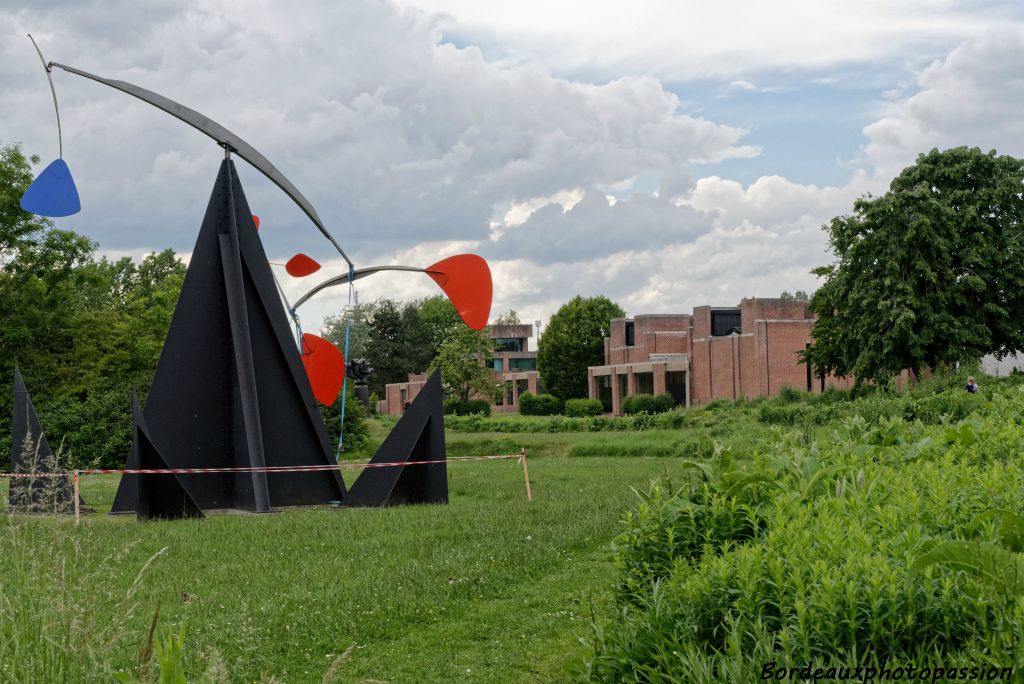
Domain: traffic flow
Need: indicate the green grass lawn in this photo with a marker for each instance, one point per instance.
(489, 588)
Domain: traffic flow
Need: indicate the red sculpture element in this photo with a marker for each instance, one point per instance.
(325, 367)
(256, 220)
(300, 266)
(466, 279)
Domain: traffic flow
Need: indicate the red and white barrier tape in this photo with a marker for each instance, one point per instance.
(346, 465)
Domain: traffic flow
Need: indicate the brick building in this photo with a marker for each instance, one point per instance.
(714, 353)
(514, 367)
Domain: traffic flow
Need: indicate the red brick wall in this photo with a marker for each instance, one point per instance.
(670, 343)
(700, 372)
(752, 310)
(783, 341)
(724, 382)
(748, 366)
(701, 322)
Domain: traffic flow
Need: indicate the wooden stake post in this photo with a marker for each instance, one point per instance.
(526, 474)
(78, 511)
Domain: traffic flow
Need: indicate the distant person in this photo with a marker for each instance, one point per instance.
(406, 405)
(972, 386)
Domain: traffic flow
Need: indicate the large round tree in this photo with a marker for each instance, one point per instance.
(930, 273)
(573, 341)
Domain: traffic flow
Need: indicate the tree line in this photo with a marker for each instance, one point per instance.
(84, 330)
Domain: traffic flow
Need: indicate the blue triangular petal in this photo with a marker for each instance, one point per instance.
(53, 193)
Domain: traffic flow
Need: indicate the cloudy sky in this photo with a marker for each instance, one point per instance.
(665, 154)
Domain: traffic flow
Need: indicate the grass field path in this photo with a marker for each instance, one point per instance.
(489, 588)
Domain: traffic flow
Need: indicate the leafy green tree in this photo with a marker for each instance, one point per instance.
(16, 225)
(359, 332)
(397, 343)
(574, 341)
(463, 359)
(440, 319)
(511, 317)
(930, 273)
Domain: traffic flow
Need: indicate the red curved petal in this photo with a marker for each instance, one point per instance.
(301, 265)
(256, 220)
(325, 367)
(466, 279)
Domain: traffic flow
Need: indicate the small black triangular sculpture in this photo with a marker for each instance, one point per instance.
(30, 453)
(418, 436)
(157, 496)
(230, 389)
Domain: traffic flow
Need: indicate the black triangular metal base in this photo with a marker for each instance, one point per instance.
(30, 453)
(230, 389)
(158, 496)
(418, 436)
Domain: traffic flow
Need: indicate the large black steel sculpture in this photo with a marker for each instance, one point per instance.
(419, 436)
(230, 389)
(31, 454)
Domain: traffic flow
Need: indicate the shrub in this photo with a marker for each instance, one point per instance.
(664, 402)
(579, 408)
(790, 395)
(539, 405)
(893, 541)
(469, 407)
(638, 403)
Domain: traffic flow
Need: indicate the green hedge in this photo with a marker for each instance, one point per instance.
(539, 405)
(581, 408)
(458, 407)
(513, 423)
(647, 403)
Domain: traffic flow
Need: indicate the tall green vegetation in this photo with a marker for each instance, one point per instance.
(84, 331)
(885, 542)
(930, 273)
(574, 341)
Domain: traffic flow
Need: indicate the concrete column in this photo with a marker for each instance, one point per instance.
(515, 392)
(616, 395)
(688, 389)
(630, 382)
(659, 374)
(591, 384)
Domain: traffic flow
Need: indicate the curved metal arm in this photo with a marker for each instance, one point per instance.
(356, 275)
(223, 136)
(53, 91)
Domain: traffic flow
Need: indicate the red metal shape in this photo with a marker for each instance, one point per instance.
(256, 220)
(325, 367)
(466, 279)
(300, 266)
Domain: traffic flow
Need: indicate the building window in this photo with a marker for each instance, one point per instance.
(508, 344)
(724, 322)
(630, 334)
(522, 364)
(496, 365)
(403, 396)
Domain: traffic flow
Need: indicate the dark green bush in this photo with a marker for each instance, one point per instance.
(638, 403)
(579, 408)
(458, 407)
(664, 402)
(790, 395)
(539, 405)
